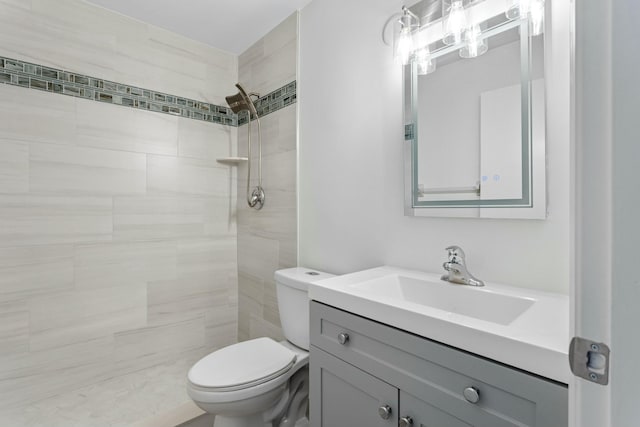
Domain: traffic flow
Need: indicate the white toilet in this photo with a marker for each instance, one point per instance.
(261, 382)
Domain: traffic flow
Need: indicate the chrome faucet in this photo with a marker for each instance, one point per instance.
(456, 268)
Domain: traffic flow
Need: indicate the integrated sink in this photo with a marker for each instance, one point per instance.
(479, 303)
(519, 327)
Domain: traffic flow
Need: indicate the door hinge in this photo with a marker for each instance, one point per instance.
(589, 360)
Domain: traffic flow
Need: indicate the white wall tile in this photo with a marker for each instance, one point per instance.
(205, 141)
(271, 72)
(88, 254)
(67, 170)
(28, 271)
(17, 3)
(14, 328)
(118, 128)
(14, 166)
(158, 217)
(179, 66)
(38, 220)
(82, 315)
(272, 61)
(205, 279)
(279, 131)
(220, 215)
(208, 256)
(267, 239)
(177, 300)
(175, 175)
(259, 327)
(220, 334)
(149, 346)
(119, 264)
(31, 115)
(257, 256)
(42, 34)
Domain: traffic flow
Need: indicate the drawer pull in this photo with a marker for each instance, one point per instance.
(343, 338)
(385, 412)
(472, 394)
(405, 422)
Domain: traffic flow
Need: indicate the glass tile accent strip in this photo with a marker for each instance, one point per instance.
(34, 76)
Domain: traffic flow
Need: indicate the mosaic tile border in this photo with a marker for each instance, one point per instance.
(273, 101)
(34, 76)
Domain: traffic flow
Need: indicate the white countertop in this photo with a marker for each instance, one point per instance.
(537, 341)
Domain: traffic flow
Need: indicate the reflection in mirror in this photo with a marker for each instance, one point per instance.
(474, 111)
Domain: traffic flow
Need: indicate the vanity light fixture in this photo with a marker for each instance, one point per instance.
(454, 22)
(461, 27)
(404, 43)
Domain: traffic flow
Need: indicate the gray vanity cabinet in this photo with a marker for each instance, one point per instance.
(349, 396)
(359, 367)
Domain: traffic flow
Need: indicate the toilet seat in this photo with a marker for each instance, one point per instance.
(246, 364)
(275, 383)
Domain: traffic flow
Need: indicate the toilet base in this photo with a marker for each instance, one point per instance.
(290, 411)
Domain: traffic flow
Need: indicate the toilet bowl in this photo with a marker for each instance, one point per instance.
(261, 382)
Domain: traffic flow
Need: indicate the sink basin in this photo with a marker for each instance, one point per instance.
(479, 303)
(519, 327)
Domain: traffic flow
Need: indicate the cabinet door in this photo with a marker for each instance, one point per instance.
(424, 414)
(343, 395)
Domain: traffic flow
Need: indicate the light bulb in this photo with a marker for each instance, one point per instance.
(455, 23)
(536, 16)
(404, 47)
(475, 46)
(426, 64)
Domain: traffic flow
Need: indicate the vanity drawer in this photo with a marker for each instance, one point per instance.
(439, 374)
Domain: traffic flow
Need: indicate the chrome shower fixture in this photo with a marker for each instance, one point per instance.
(242, 102)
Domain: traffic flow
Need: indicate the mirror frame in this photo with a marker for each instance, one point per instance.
(523, 207)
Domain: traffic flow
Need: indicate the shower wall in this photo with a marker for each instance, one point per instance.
(117, 225)
(267, 239)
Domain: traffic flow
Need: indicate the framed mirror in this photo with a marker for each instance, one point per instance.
(474, 101)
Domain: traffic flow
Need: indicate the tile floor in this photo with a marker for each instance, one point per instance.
(117, 402)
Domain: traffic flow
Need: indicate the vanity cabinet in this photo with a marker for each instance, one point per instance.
(364, 373)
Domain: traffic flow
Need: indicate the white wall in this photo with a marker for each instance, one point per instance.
(351, 162)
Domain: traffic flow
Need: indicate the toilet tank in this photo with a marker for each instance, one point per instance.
(292, 285)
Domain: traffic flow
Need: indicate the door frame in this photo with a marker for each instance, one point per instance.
(590, 404)
(606, 235)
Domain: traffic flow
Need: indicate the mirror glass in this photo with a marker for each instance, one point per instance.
(475, 112)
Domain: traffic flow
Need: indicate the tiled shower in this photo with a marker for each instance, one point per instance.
(126, 250)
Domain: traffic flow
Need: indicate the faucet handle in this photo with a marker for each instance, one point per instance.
(455, 253)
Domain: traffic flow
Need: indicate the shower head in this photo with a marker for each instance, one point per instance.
(241, 102)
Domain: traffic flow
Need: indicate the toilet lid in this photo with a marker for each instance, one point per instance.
(242, 365)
